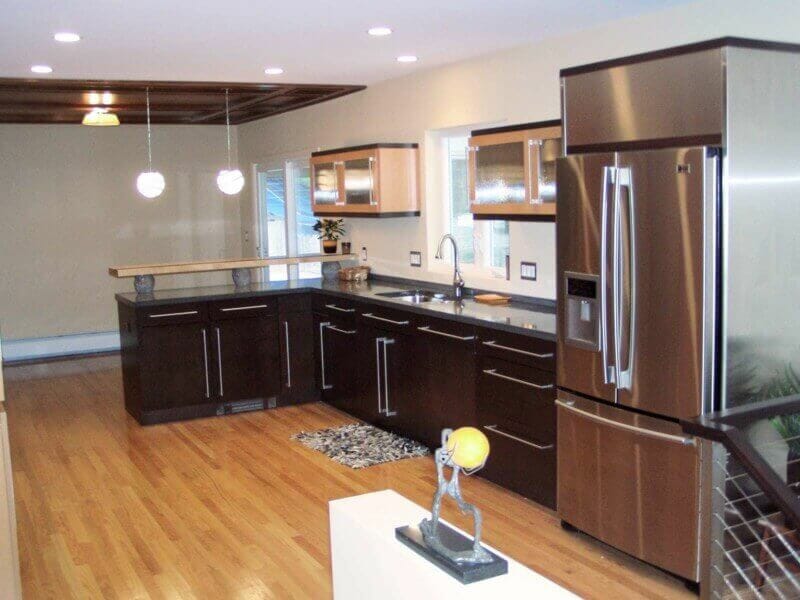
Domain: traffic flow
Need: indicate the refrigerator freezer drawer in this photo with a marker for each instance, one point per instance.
(631, 481)
(655, 100)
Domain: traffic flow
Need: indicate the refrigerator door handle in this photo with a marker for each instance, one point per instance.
(678, 439)
(609, 177)
(624, 278)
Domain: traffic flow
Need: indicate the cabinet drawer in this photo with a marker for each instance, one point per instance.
(294, 303)
(334, 306)
(518, 399)
(446, 330)
(386, 318)
(242, 308)
(518, 348)
(172, 314)
(523, 465)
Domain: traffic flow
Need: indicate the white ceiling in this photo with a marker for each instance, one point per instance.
(315, 41)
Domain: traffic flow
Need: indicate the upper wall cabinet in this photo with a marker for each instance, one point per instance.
(512, 171)
(378, 180)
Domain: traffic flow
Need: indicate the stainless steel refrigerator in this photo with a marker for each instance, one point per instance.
(654, 255)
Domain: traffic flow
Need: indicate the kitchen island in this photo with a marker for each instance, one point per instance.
(365, 348)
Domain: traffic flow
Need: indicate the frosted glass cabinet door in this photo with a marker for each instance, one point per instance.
(500, 173)
(358, 181)
(326, 188)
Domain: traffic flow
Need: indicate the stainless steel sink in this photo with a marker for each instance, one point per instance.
(418, 296)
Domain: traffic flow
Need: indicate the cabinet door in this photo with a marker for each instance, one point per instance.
(325, 180)
(247, 358)
(499, 172)
(338, 362)
(176, 366)
(443, 374)
(359, 181)
(296, 333)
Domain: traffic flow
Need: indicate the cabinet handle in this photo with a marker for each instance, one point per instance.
(494, 373)
(322, 327)
(344, 310)
(174, 314)
(384, 319)
(570, 406)
(495, 429)
(386, 342)
(253, 307)
(288, 355)
(464, 338)
(534, 170)
(378, 372)
(372, 200)
(346, 332)
(493, 344)
(219, 362)
(205, 362)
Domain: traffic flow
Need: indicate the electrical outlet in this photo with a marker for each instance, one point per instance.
(527, 271)
(415, 258)
(363, 253)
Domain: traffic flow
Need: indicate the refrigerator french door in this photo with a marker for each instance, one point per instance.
(636, 235)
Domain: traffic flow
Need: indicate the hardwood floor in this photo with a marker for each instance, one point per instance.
(228, 507)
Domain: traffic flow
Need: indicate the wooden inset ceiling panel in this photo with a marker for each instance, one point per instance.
(171, 102)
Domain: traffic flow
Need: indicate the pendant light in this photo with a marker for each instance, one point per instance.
(230, 181)
(150, 183)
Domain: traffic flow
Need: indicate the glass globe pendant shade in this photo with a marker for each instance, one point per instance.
(150, 184)
(230, 181)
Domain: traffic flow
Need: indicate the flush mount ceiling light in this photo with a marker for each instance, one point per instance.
(407, 58)
(379, 31)
(100, 117)
(229, 181)
(150, 183)
(67, 37)
(273, 71)
(41, 69)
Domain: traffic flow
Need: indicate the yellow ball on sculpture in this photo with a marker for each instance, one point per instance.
(468, 447)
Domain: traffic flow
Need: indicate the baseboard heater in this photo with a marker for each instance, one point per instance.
(232, 408)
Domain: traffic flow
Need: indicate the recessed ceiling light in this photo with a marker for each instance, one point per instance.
(67, 37)
(407, 58)
(41, 69)
(379, 31)
(273, 71)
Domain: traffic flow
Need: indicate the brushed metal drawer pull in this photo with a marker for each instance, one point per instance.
(253, 307)
(288, 355)
(219, 362)
(384, 319)
(494, 373)
(685, 441)
(332, 328)
(494, 344)
(464, 338)
(175, 314)
(344, 310)
(322, 327)
(205, 362)
(495, 429)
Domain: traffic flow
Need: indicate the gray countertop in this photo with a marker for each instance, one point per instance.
(536, 320)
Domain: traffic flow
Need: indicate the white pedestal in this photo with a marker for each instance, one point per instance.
(368, 562)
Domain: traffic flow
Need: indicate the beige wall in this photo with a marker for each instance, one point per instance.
(69, 209)
(513, 86)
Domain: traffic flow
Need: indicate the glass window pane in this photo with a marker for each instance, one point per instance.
(272, 189)
(499, 244)
(307, 242)
(278, 273)
(461, 225)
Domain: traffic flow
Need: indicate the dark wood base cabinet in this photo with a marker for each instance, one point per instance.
(402, 371)
(188, 360)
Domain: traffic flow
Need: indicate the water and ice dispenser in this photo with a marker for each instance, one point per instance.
(582, 310)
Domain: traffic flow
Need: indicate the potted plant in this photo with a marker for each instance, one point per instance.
(787, 383)
(329, 230)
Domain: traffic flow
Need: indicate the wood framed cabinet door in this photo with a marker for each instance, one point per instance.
(338, 361)
(296, 336)
(246, 358)
(176, 366)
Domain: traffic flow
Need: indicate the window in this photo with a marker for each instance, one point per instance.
(483, 244)
(285, 218)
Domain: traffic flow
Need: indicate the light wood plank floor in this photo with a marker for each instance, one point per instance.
(227, 507)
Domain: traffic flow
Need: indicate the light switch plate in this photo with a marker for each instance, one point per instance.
(363, 253)
(527, 271)
(415, 258)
